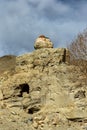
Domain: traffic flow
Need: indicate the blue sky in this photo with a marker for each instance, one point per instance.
(22, 21)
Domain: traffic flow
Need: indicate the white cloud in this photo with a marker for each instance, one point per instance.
(21, 21)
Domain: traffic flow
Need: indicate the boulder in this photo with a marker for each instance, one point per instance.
(43, 42)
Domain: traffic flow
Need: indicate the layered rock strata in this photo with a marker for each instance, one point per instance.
(43, 92)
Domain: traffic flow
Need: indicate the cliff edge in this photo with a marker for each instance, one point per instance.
(41, 90)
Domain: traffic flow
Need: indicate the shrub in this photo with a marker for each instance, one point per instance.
(78, 52)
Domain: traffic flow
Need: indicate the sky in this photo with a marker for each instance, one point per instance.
(22, 21)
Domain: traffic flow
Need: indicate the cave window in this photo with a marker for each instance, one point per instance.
(24, 88)
(33, 110)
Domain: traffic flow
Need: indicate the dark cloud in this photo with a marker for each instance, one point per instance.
(21, 21)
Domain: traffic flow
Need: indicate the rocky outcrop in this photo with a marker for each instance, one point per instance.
(44, 92)
(37, 63)
(43, 42)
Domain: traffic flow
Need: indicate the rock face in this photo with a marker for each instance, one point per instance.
(43, 42)
(44, 92)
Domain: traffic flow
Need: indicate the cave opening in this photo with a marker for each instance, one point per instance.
(33, 110)
(24, 88)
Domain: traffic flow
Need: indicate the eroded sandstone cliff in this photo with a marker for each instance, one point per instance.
(41, 90)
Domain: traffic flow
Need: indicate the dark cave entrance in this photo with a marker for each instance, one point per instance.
(33, 110)
(23, 88)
